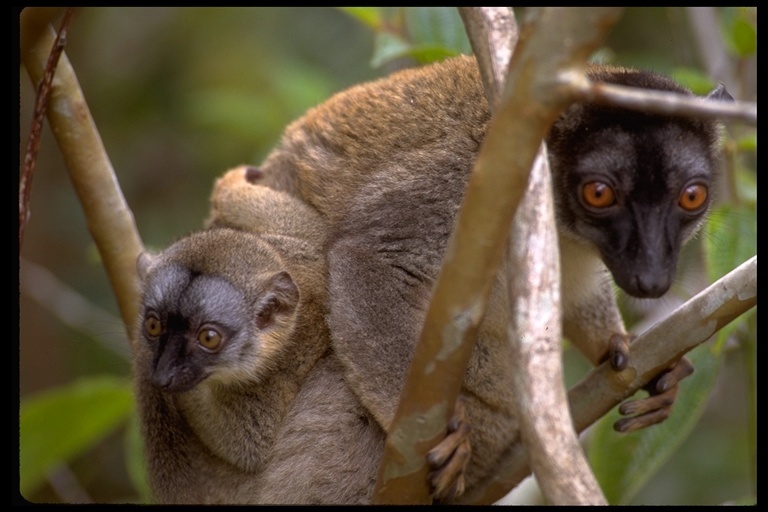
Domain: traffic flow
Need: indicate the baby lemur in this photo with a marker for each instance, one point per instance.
(232, 349)
(241, 397)
(386, 163)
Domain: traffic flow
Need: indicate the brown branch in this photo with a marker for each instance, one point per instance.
(659, 347)
(688, 326)
(546, 426)
(492, 32)
(661, 102)
(110, 221)
(531, 102)
(35, 132)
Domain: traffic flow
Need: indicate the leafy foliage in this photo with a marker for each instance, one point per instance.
(83, 413)
(425, 34)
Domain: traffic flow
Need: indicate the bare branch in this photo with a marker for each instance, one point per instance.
(492, 33)
(557, 458)
(530, 104)
(661, 102)
(35, 132)
(663, 344)
(688, 326)
(546, 427)
(110, 221)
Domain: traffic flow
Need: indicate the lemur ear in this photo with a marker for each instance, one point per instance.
(144, 263)
(720, 94)
(281, 297)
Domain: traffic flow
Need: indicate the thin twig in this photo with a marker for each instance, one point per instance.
(35, 132)
(110, 221)
(662, 102)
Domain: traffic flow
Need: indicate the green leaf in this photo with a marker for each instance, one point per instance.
(624, 463)
(388, 47)
(741, 37)
(63, 423)
(369, 16)
(730, 238)
(429, 34)
(437, 27)
(693, 79)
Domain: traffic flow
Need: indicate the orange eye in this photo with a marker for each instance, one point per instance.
(152, 326)
(598, 194)
(209, 338)
(693, 197)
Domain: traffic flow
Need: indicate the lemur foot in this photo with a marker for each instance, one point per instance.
(657, 407)
(448, 460)
(618, 351)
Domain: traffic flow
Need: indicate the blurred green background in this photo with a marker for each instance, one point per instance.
(181, 94)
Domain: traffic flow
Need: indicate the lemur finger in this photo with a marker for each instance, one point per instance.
(626, 425)
(652, 403)
(669, 379)
(658, 406)
(449, 458)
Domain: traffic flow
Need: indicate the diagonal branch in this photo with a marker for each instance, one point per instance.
(546, 426)
(35, 133)
(531, 102)
(110, 221)
(666, 342)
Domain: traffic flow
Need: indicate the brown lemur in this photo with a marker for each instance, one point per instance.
(385, 165)
(241, 397)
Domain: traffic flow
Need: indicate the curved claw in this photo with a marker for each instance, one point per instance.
(618, 351)
(449, 458)
(658, 406)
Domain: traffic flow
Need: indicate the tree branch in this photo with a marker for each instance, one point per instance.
(659, 347)
(532, 100)
(110, 221)
(546, 426)
(35, 133)
(492, 32)
(666, 342)
(659, 102)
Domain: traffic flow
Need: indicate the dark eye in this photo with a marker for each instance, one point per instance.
(693, 197)
(152, 326)
(209, 338)
(597, 194)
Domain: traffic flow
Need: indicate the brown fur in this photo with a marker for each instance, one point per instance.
(377, 174)
(385, 164)
(257, 429)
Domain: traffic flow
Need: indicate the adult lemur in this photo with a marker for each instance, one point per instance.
(383, 166)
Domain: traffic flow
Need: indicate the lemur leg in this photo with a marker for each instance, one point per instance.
(593, 323)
